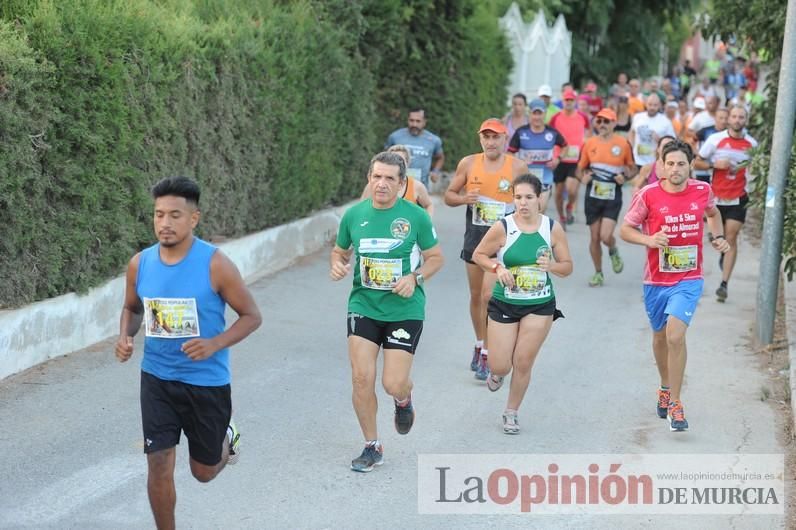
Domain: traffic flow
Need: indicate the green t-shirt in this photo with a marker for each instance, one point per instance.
(387, 245)
(532, 286)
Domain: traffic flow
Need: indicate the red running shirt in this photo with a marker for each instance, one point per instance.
(679, 215)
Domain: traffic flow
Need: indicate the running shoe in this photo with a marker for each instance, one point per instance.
(510, 423)
(372, 455)
(570, 216)
(483, 370)
(677, 419)
(494, 382)
(616, 260)
(476, 357)
(721, 293)
(597, 280)
(663, 402)
(234, 443)
(404, 417)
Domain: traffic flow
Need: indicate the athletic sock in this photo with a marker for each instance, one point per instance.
(484, 352)
(612, 251)
(664, 387)
(374, 443)
(479, 344)
(723, 284)
(403, 402)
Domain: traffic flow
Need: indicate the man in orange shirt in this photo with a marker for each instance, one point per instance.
(635, 101)
(606, 162)
(574, 126)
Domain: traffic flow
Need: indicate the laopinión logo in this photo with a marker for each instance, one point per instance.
(601, 484)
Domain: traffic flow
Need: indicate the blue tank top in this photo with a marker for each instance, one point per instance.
(180, 304)
(536, 149)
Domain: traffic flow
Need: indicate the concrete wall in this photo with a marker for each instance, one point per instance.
(41, 331)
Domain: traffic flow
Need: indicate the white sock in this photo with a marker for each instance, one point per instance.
(479, 344)
(484, 352)
(374, 443)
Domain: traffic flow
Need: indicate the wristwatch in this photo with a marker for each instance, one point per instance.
(419, 278)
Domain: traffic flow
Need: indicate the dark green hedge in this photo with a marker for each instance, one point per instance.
(274, 107)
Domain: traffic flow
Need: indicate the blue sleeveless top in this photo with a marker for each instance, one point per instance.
(179, 305)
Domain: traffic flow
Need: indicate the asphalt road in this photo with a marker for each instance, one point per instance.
(71, 449)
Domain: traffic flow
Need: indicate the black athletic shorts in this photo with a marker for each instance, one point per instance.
(202, 412)
(563, 171)
(703, 177)
(737, 212)
(403, 335)
(595, 209)
(505, 313)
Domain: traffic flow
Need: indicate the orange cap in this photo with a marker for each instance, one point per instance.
(494, 125)
(606, 113)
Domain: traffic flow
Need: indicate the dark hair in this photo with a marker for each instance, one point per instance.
(664, 137)
(678, 145)
(178, 187)
(521, 96)
(391, 159)
(418, 109)
(532, 180)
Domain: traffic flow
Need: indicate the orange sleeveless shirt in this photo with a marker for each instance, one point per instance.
(410, 194)
(496, 186)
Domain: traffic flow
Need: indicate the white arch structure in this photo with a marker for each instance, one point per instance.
(541, 53)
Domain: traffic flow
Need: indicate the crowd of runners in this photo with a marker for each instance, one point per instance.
(678, 153)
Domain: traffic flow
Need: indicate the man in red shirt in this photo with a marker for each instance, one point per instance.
(727, 154)
(595, 101)
(574, 126)
(667, 218)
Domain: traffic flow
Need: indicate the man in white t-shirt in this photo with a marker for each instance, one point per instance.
(705, 118)
(647, 128)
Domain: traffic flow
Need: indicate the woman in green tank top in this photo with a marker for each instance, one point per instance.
(529, 247)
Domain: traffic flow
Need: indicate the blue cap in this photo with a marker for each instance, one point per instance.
(537, 104)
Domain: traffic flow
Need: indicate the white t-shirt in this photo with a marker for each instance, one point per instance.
(701, 120)
(645, 129)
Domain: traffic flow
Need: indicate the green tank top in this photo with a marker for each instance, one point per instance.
(518, 255)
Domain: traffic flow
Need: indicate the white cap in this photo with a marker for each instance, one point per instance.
(699, 103)
(672, 104)
(545, 90)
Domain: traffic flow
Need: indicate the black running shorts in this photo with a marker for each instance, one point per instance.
(736, 212)
(563, 171)
(505, 313)
(403, 335)
(202, 412)
(596, 209)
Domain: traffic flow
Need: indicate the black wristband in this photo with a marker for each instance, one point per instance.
(720, 236)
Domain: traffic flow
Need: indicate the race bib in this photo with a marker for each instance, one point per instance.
(572, 152)
(605, 191)
(536, 156)
(537, 172)
(530, 283)
(677, 259)
(728, 202)
(644, 149)
(380, 273)
(413, 172)
(487, 212)
(171, 318)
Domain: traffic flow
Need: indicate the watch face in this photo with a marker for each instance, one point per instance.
(419, 279)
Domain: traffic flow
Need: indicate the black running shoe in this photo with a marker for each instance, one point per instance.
(404, 417)
(372, 455)
(721, 293)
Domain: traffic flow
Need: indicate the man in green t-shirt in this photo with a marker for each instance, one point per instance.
(387, 236)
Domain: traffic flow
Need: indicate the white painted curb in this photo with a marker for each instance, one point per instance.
(44, 330)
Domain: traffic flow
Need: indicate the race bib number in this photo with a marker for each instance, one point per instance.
(537, 172)
(728, 202)
(171, 318)
(380, 273)
(530, 283)
(572, 152)
(536, 156)
(605, 191)
(487, 212)
(644, 149)
(413, 172)
(677, 259)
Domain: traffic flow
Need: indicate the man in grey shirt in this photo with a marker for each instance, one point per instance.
(424, 146)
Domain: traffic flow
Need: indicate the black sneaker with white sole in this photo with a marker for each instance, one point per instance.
(404, 417)
(372, 456)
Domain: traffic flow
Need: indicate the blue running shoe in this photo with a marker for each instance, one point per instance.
(372, 456)
(677, 419)
(483, 371)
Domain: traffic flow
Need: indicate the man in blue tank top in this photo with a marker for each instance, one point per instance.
(179, 289)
